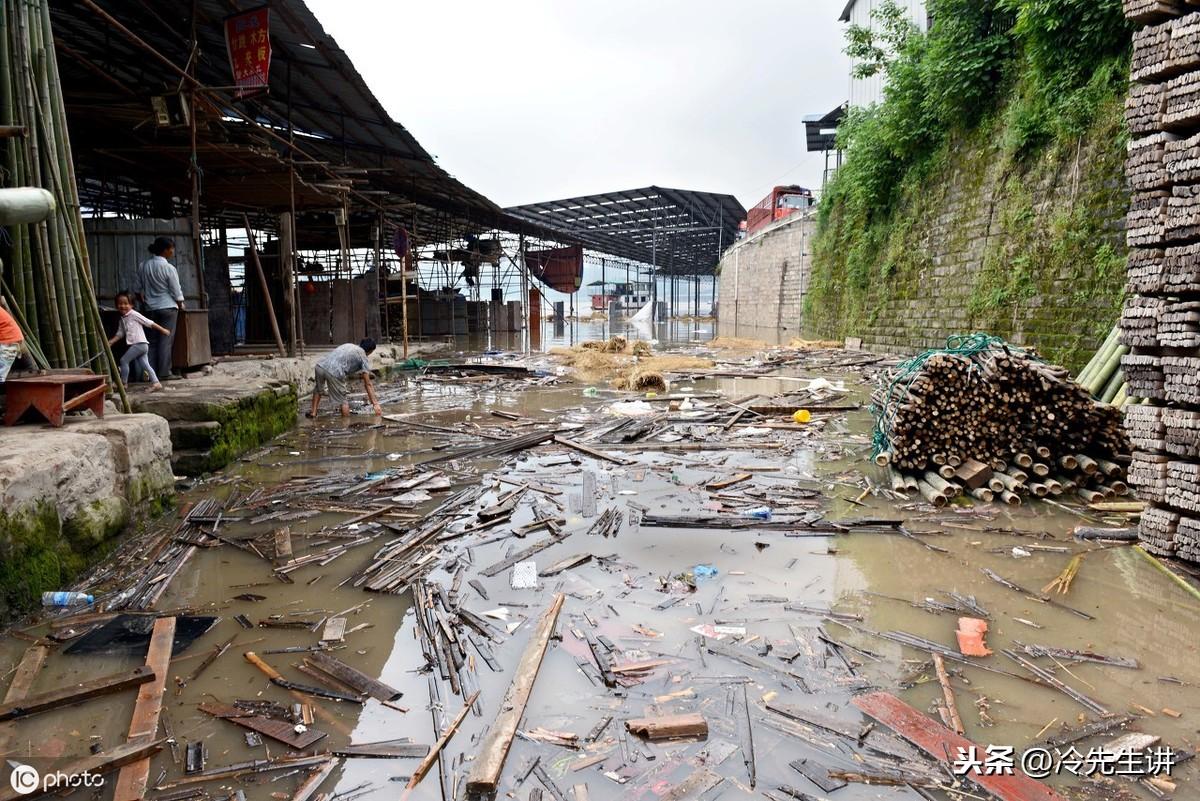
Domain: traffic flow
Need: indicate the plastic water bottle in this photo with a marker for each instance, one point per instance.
(758, 512)
(63, 598)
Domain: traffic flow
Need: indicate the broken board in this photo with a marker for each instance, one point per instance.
(275, 729)
(76, 693)
(943, 744)
(667, 727)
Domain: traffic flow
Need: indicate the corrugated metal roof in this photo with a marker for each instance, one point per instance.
(338, 122)
(678, 230)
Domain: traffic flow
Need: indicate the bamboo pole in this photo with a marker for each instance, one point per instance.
(262, 284)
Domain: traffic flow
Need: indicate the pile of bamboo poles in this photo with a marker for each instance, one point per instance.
(1102, 377)
(47, 277)
(996, 421)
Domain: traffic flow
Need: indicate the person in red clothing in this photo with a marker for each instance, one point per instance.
(11, 340)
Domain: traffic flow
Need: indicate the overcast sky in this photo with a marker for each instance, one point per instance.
(533, 100)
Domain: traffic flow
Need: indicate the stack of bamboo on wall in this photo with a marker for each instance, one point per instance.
(1161, 322)
(999, 422)
(46, 277)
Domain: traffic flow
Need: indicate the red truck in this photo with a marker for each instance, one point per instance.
(782, 201)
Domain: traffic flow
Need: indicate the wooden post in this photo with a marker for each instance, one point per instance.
(262, 284)
(406, 268)
(489, 762)
(132, 780)
(287, 268)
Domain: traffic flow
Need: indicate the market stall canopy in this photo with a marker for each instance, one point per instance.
(679, 231)
(132, 106)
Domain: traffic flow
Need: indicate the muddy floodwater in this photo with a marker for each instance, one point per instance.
(659, 595)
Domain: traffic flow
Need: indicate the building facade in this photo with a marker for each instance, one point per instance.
(865, 91)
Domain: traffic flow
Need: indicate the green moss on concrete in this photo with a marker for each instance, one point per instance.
(245, 425)
(36, 557)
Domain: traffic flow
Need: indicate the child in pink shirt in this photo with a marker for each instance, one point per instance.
(133, 328)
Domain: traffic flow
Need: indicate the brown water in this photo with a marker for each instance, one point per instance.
(1139, 612)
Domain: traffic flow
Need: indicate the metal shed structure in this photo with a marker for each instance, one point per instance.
(676, 231)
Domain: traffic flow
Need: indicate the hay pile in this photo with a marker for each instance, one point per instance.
(641, 380)
(616, 344)
(815, 344)
(737, 343)
(629, 370)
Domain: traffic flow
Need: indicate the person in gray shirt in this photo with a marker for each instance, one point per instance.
(336, 367)
(157, 287)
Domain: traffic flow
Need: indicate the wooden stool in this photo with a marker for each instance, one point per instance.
(52, 396)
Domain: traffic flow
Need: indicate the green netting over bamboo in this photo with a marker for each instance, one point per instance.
(46, 275)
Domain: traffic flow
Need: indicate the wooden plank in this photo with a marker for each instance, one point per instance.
(96, 765)
(489, 762)
(943, 744)
(434, 752)
(354, 678)
(694, 786)
(314, 780)
(335, 630)
(76, 693)
(666, 727)
(566, 564)
(27, 671)
(817, 774)
(387, 749)
(586, 451)
(275, 729)
(729, 482)
(520, 556)
(133, 778)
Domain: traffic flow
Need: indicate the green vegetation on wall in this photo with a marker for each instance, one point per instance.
(999, 144)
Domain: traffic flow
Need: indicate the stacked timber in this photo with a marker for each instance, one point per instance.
(1161, 320)
(1159, 528)
(1145, 272)
(1144, 375)
(1146, 163)
(1180, 269)
(1148, 12)
(1181, 432)
(1187, 539)
(1179, 325)
(1151, 59)
(1144, 108)
(1147, 220)
(1180, 158)
(1139, 321)
(1181, 103)
(1145, 427)
(996, 422)
(1181, 379)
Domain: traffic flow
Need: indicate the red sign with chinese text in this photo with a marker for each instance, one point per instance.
(248, 40)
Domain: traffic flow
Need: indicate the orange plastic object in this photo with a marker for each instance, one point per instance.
(970, 636)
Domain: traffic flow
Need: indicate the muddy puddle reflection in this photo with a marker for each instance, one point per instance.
(756, 590)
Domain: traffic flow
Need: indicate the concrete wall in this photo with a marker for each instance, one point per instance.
(65, 493)
(763, 281)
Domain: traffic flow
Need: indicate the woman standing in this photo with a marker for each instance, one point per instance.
(158, 289)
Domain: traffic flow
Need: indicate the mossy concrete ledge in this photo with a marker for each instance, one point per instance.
(66, 493)
(214, 423)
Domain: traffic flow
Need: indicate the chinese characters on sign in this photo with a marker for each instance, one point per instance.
(247, 38)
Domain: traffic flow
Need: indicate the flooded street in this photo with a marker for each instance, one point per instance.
(721, 619)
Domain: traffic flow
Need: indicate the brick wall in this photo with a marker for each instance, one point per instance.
(763, 280)
(1032, 251)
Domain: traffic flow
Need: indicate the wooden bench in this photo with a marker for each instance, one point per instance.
(52, 396)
